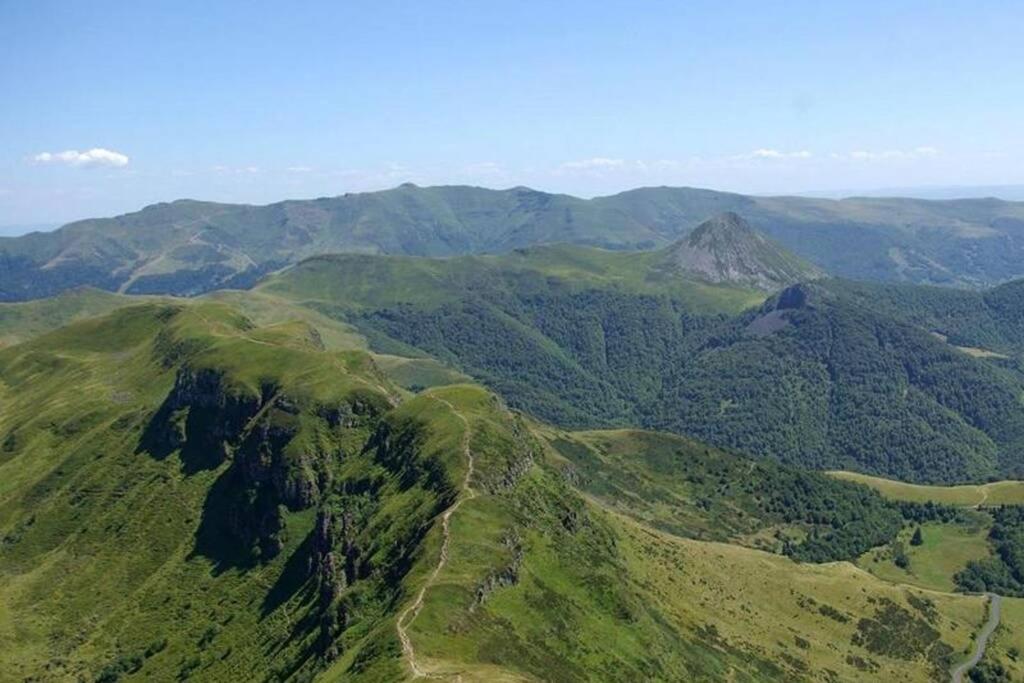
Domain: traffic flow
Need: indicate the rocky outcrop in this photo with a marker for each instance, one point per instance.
(209, 420)
(333, 565)
(504, 577)
(726, 250)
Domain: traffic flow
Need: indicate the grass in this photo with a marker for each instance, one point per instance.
(947, 548)
(103, 569)
(418, 373)
(995, 493)
(99, 552)
(22, 321)
(360, 282)
(265, 309)
(804, 617)
(601, 596)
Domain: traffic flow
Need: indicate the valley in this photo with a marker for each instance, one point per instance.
(454, 342)
(708, 461)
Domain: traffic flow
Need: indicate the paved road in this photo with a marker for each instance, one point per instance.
(994, 607)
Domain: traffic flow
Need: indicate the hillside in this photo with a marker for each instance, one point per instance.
(817, 376)
(187, 247)
(24, 320)
(982, 323)
(586, 337)
(189, 496)
(725, 249)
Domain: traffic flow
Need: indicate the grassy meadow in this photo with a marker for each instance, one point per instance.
(968, 495)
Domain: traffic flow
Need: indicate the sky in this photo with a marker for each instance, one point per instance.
(110, 106)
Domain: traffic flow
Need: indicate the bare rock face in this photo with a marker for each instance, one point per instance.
(726, 250)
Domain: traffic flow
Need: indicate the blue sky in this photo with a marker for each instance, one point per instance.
(108, 106)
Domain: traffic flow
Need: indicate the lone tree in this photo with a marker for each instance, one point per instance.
(916, 539)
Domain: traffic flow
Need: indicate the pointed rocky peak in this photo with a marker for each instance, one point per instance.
(725, 249)
(728, 226)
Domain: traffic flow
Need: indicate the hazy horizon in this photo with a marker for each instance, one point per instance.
(112, 106)
(1011, 193)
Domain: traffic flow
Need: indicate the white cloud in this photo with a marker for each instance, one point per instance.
(596, 163)
(774, 154)
(923, 152)
(299, 169)
(93, 157)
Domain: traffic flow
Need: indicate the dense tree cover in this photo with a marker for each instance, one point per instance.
(690, 490)
(847, 520)
(992, 319)
(1003, 572)
(817, 380)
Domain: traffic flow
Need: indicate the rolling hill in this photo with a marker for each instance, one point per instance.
(820, 375)
(188, 495)
(188, 247)
(919, 383)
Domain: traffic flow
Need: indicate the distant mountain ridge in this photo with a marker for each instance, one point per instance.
(187, 247)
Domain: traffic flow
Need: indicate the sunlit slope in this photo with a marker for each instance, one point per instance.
(359, 282)
(540, 584)
(187, 495)
(162, 471)
(994, 493)
(22, 321)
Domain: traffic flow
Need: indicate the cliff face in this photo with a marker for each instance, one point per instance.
(280, 448)
(725, 249)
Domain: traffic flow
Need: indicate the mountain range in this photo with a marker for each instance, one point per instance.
(411, 435)
(188, 495)
(187, 247)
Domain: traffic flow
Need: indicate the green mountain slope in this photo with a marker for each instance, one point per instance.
(187, 496)
(987, 323)
(24, 320)
(821, 375)
(187, 247)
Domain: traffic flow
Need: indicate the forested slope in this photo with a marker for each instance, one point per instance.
(820, 375)
(189, 496)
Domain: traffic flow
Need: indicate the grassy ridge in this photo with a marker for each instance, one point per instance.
(542, 585)
(22, 321)
(352, 282)
(187, 495)
(103, 527)
(994, 493)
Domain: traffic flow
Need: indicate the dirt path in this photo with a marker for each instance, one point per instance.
(994, 606)
(984, 496)
(410, 613)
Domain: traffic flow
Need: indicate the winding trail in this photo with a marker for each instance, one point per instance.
(994, 606)
(410, 613)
